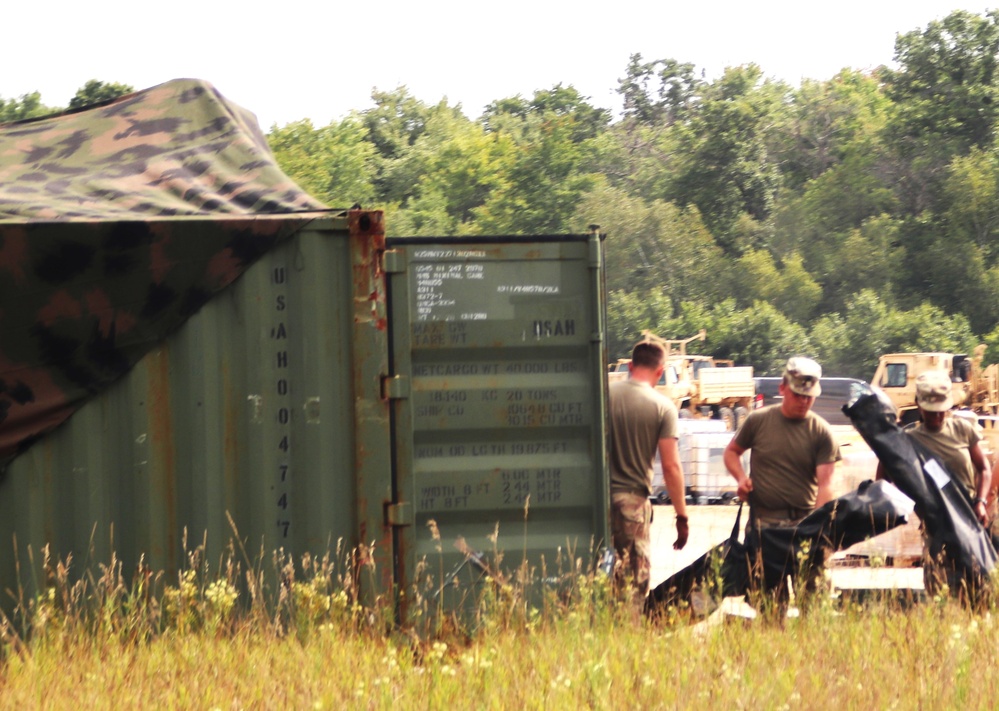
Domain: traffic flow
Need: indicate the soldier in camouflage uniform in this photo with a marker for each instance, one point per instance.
(793, 455)
(642, 422)
(955, 441)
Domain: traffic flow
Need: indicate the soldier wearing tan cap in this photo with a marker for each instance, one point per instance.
(954, 440)
(792, 452)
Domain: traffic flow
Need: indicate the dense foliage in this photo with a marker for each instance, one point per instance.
(30, 106)
(842, 218)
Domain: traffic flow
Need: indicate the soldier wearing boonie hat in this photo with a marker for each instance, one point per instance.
(933, 391)
(955, 440)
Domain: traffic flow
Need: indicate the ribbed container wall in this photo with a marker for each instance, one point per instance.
(250, 413)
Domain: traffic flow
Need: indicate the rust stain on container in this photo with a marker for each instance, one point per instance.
(367, 236)
(362, 528)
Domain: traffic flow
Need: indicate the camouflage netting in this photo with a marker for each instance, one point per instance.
(116, 225)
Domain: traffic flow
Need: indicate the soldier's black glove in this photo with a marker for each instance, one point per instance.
(682, 532)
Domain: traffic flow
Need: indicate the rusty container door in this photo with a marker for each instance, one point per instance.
(498, 398)
(260, 419)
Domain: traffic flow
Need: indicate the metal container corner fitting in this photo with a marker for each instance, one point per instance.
(407, 398)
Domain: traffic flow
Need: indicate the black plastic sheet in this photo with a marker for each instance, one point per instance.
(769, 556)
(955, 538)
(872, 509)
(727, 561)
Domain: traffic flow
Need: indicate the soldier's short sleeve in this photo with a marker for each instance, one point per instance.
(828, 449)
(668, 423)
(970, 431)
(747, 431)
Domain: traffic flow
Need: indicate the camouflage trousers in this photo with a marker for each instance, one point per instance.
(631, 523)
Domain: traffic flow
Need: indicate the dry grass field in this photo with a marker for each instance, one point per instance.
(199, 642)
(589, 654)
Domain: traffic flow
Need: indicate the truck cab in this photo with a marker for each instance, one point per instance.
(897, 372)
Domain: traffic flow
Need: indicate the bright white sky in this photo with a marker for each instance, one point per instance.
(320, 59)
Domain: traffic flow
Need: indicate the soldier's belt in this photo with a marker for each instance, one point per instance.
(789, 513)
(634, 492)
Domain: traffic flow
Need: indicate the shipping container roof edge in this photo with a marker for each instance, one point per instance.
(402, 241)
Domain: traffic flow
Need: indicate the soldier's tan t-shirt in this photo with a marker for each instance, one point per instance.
(952, 444)
(640, 417)
(783, 456)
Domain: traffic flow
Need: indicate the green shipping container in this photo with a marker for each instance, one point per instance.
(193, 351)
(498, 399)
(301, 408)
(262, 415)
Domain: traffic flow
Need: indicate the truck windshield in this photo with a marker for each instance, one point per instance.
(895, 376)
(669, 375)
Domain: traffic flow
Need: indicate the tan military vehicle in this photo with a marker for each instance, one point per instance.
(700, 386)
(976, 388)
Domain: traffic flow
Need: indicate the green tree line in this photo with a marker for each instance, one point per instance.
(842, 218)
(29, 106)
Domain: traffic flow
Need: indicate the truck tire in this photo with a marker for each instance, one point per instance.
(684, 413)
(726, 415)
(741, 413)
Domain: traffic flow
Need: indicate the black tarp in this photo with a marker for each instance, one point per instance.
(872, 509)
(954, 535)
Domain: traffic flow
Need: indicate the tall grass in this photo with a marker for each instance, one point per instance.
(208, 639)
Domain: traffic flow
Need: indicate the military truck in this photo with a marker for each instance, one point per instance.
(975, 387)
(699, 385)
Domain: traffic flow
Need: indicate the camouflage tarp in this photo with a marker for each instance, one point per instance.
(116, 225)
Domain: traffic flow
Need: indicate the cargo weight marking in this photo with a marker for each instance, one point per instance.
(439, 333)
(543, 414)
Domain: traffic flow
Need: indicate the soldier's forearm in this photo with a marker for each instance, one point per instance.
(673, 478)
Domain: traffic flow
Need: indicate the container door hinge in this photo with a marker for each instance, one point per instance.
(395, 387)
(399, 514)
(393, 261)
